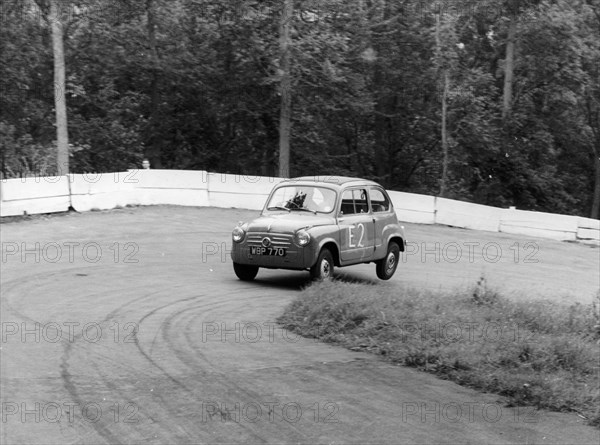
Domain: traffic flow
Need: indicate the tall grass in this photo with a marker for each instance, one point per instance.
(536, 353)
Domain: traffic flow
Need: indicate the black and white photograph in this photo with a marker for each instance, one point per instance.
(328, 222)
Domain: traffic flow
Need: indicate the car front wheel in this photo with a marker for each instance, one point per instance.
(323, 268)
(245, 272)
(387, 266)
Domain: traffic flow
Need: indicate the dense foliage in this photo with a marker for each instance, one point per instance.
(195, 84)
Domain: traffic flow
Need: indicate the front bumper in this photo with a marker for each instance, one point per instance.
(295, 258)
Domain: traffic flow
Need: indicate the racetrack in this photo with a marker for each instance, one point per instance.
(129, 326)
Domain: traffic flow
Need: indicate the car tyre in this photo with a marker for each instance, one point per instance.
(245, 272)
(386, 267)
(323, 268)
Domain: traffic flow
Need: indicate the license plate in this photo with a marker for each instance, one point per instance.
(270, 251)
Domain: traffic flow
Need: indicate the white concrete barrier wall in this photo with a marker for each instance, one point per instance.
(543, 225)
(101, 191)
(467, 215)
(34, 195)
(588, 229)
(199, 188)
(413, 208)
(178, 187)
(239, 191)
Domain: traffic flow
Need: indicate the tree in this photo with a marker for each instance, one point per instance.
(444, 98)
(52, 13)
(591, 97)
(153, 144)
(206, 84)
(285, 88)
(509, 62)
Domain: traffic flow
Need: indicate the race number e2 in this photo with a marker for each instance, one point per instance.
(351, 236)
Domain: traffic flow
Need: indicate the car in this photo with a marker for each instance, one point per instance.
(317, 223)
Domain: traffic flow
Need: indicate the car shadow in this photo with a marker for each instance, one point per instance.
(299, 280)
(353, 278)
(288, 281)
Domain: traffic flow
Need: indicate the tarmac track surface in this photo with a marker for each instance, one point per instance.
(154, 342)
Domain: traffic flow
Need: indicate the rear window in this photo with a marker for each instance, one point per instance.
(379, 201)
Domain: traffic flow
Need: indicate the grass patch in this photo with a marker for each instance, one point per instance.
(536, 353)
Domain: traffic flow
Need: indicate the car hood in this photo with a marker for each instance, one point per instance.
(288, 222)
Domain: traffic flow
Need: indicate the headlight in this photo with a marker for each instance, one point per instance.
(302, 238)
(238, 234)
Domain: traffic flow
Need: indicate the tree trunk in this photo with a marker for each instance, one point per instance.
(596, 201)
(153, 148)
(444, 180)
(384, 102)
(285, 89)
(60, 105)
(509, 67)
(382, 128)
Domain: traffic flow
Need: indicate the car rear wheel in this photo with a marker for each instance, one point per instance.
(323, 268)
(245, 272)
(386, 267)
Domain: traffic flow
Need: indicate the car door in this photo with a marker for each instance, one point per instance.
(356, 226)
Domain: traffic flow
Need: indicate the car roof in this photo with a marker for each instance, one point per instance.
(334, 180)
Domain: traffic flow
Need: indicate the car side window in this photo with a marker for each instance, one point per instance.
(354, 201)
(347, 203)
(379, 201)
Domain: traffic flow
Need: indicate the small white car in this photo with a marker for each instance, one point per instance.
(318, 223)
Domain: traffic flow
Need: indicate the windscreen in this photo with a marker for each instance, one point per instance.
(299, 198)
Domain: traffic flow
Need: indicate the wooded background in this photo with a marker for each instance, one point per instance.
(491, 101)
